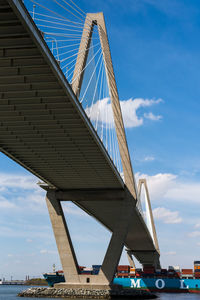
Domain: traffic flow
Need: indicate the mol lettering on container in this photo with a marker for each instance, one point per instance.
(135, 283)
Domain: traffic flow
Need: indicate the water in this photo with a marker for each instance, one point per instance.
(165, 296)
(10, 293)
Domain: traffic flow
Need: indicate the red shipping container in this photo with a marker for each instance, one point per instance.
(187, 271)
(148, 272)
(123, 268)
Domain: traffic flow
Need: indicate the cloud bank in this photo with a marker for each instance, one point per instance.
(169, 186)
(167, 216)
(101, 111)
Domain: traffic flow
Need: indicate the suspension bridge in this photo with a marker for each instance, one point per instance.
(60, 118)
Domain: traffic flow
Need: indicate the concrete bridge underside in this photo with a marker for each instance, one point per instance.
(44, 128)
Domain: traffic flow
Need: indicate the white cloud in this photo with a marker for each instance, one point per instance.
(198, 244)
(30, 197)
(72, 209)
(29, 240)
(5, 204)
(21, 192)
(152, 117)
(168, 186)
(158, 184)
(17, 181)
(45, 251)
(101, 111)
(15, 230)
(194, 234)
(149, 158)
(184, 191)
(169, 253)
(197, 225)
(167, 216)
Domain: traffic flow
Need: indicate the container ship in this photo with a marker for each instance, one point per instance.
(171, 280)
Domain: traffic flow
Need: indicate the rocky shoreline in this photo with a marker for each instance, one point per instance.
(36, 292)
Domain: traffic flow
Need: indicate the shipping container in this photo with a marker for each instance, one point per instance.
(86, 272)
(124, 268)
(158, 270)
(187, 271)
(197, 271)
(123, 272)
(187, 276)
(96, 269)
(132, 269)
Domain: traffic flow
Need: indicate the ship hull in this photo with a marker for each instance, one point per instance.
(161, 285)
(164, 285)
(53, 278)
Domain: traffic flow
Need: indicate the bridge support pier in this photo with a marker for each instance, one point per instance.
(62, 236)
(66, 251)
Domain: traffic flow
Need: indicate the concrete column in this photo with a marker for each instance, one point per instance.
(130, 258)
(149, 212)
(82, 56)
(63, 240)
(114, 251)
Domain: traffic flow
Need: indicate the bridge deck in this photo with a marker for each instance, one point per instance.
(44, 128)
(42, 124)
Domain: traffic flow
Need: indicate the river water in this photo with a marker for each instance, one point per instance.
(10, 293)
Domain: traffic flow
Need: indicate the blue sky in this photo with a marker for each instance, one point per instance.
(155, 49)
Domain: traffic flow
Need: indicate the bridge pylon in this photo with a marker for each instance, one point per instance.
(149, 213)
(97, 19)
(150, 219)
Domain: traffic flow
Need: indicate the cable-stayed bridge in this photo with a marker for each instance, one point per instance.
(61, 119)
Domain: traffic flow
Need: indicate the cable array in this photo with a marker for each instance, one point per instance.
(64, 25)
